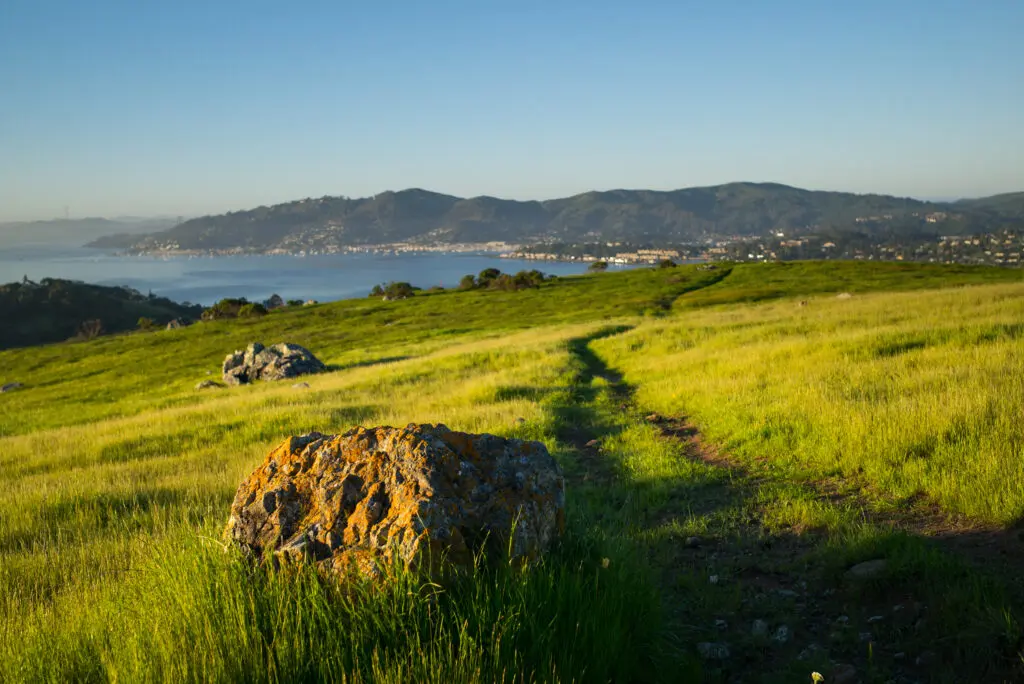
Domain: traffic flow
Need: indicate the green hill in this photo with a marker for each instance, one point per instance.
(54, 310)
(621, 215)
(736, 442)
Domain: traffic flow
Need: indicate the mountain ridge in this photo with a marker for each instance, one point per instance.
(417, 215)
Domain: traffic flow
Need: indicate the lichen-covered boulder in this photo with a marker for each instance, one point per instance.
(277, 362)
(422, 493)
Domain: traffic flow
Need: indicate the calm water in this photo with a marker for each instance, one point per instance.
(204, 280)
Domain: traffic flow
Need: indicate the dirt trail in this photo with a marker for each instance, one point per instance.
(770, 596)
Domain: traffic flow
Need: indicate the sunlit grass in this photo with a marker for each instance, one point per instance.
(118, 475)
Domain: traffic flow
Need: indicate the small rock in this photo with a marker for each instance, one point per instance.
(867, 570)
(713, 579)
(897, 608)
(276, 362)
(593, 444)
(828, 592)
(721, 624)
(653, 418)
(11, 386)
(844, 295)
(208, 384)
(759, 628)
(864, 636)
(843, 619)
(301, 385)
(781, 635)
(899, 656)
(520, 421)
(786, 593)
(843, 674)
(712, 650)
(692, 542)
(926, 658)
(875, 618)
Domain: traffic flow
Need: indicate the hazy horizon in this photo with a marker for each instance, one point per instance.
(191, 108)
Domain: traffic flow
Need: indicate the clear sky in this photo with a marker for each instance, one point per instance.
(116, 107)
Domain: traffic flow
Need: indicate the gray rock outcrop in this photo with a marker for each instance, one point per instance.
(276, 362)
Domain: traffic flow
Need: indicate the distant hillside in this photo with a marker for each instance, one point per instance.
(77, 232)
(1010, 204)
(55, 310)
(421, 216)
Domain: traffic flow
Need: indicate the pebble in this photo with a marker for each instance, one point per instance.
(759, 628)
(899, 656)
(781, 635)
(875, 618)
(721, 624)
(864, 636)
(301, 385)
(786, 593)
(692, 542)
(926, 658)
(653, 418)
(867, 570)
(713, 579)
(713, 650)
(843, 619)
(520, 421)
(593, 444)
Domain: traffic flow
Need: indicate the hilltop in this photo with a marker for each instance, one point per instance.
(639, 216)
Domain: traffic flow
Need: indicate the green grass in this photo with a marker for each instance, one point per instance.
(118, 477)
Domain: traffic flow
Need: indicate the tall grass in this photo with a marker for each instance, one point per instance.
(910, 393)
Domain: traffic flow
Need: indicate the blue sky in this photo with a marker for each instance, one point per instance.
(118, 107)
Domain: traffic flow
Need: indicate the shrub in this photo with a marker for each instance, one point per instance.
(598, 266)
(398, 290)
(468, 282)
(252, 310)
(487, 276)
(294, 302)
(377, 291)
(666, 263)
(226, 308)
(145, 323)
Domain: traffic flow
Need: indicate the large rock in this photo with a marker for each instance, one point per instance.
(277, 362)
(422, 493)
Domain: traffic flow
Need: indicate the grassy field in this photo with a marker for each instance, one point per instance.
(800, 433)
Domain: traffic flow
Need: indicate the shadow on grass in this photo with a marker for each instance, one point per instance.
(335, 367)
(760, 565)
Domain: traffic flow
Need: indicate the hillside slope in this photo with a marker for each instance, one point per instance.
(734, 441)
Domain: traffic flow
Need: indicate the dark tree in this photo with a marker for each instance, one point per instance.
(398, 290)
(598, 266)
